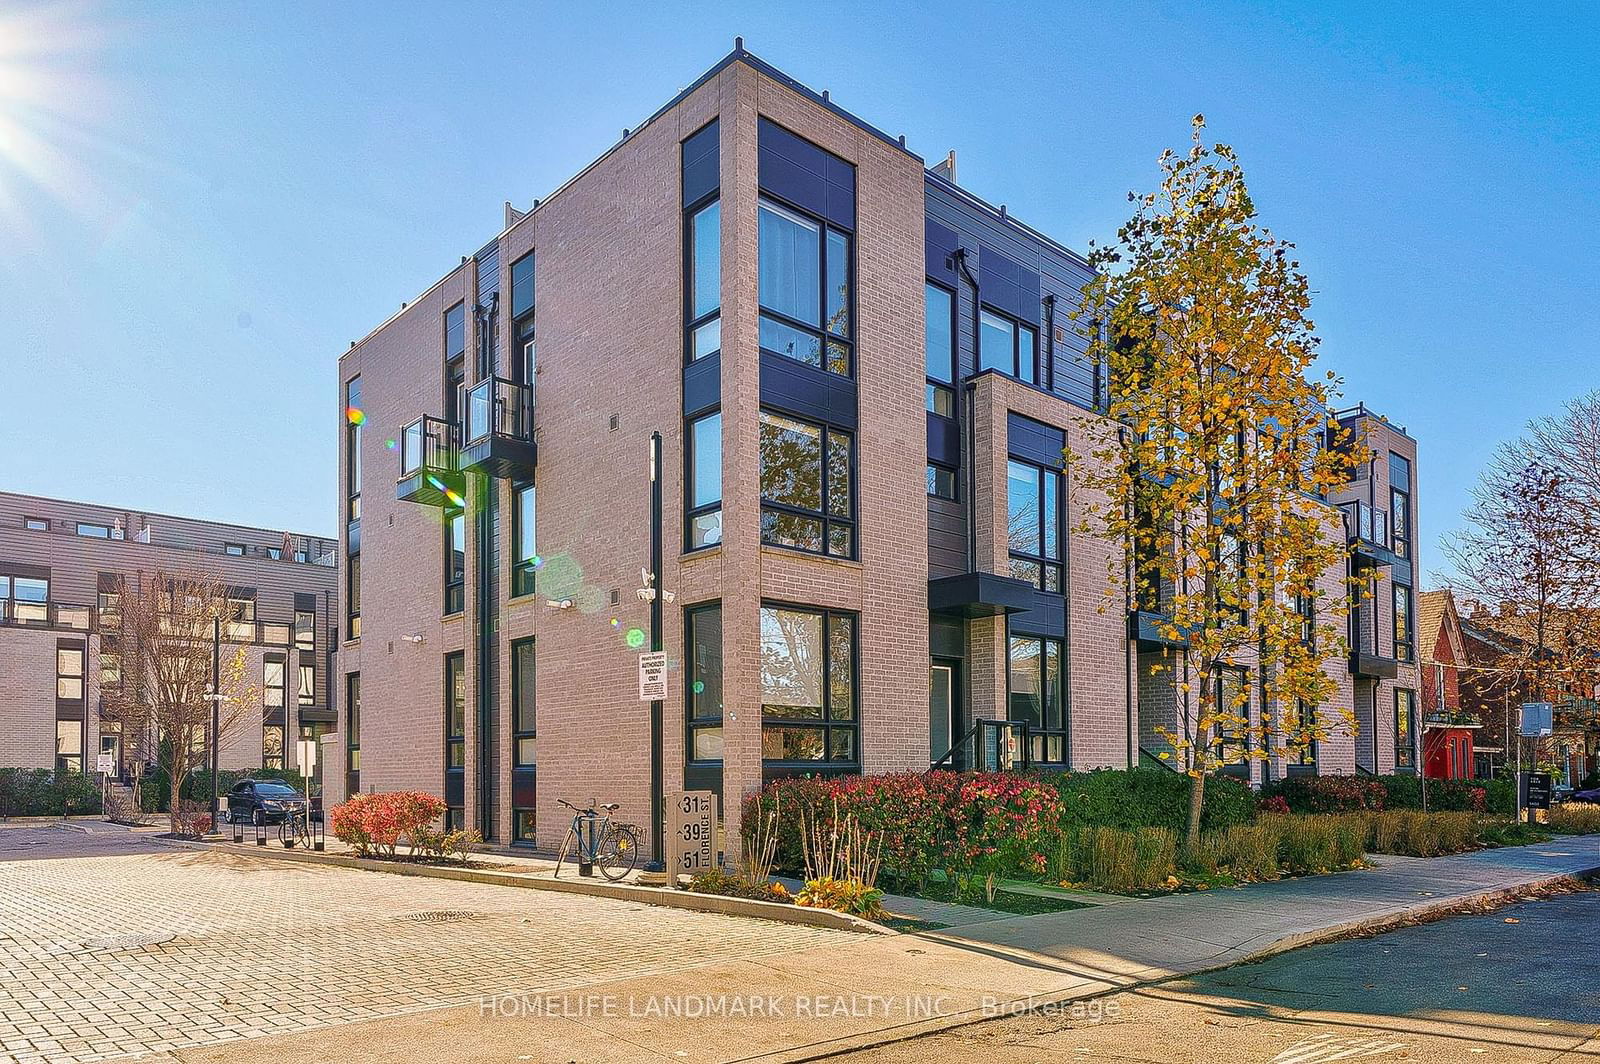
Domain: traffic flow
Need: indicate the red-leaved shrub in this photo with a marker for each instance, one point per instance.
(376, 823)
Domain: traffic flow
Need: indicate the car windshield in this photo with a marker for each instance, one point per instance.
(277, 790)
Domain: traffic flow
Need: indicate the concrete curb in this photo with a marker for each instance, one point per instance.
(1041, 1002)
(665, 897)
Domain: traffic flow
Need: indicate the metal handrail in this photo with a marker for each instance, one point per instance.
(991, 754)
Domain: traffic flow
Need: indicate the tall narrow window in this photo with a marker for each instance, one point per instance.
(807, 501)
(524, 523)
(1400, 504)
(522, 315)
(305, 630)
(272, 746)
(1403, 649)
(806, 290)
(69, 673)
(455, 360)
(808, 686)
(1037, 696)
(455, 562)
(352, 733)
(455, 711)
(704, 517)
(524, 739)
(354, 417)
(353, 597)
(703, 642)
(272, 683)
(1302, 747)
(939, 348)
(1231, 691)
(69, 746)
(1405, 728)
(702, 243)
(306, 687)
(1033, 524)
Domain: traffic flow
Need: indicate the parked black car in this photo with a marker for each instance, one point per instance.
(1591, 796)
(262, 801)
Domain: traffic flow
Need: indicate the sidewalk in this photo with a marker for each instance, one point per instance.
(867, 990)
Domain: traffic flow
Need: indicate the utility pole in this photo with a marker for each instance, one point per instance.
(657, 861)
(215, 698)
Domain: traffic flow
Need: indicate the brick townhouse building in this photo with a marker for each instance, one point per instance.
(60, 566)
(757, 276)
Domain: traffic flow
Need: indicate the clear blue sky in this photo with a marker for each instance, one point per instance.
(202, 204)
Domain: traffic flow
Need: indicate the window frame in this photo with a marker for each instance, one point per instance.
(1017, 327)
(352, 582)
(1405, 637)
(1305, 726)
(524, 570)
(1221, 741)
(825, 724)
(455, 591)
(1405, 723)
(827, 519)
(234, 550)
(935, 387)
(1047, 481)
(820, 331)
(691, 675)
(692, 511)
(352, 446)
(455, 742)
(305, 683)
(352, 731)
(94, 530)
(77, 655)
(35, 524)
(933, 486)
(1045, 731)
(694, 323)
(518, 691)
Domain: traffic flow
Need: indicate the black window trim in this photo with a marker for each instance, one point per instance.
(1062, 693)
(955, 351)
(692, 512)
(853, 522)
(524, 571)
(955, 482)
(691, 722)
(518, 734)
(1045, 564)
(1410, 761)
(455, 591)
(826, 725)
(455, 663)
(822, 332)
(1017, 325)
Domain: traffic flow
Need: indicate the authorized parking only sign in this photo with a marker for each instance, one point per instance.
(653, 676)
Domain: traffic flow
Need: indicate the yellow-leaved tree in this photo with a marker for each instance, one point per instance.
(1213, 467)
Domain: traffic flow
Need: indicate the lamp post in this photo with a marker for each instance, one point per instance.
(214, 696)
(657, 862)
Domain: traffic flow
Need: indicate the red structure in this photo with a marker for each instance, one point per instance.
(1448, 732)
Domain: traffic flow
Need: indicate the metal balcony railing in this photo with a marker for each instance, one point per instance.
(1368, 523)
(27, 614)
(496, 406)
(428, 445)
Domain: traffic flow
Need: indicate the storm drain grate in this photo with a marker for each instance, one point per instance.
(439, 916)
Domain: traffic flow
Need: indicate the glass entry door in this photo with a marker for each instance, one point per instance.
(942, 718)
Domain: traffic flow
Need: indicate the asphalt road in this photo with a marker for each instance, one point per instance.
(1519, 984)
(37, 840)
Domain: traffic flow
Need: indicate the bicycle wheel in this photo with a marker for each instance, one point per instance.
(617, 852)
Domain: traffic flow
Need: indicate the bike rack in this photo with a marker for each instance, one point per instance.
(261, 832)
(238, 829)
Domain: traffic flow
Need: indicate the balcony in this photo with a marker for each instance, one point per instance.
(1450, 718)
(21, 613)
(1368, 530)
(430, 471)
(497, 428)
(1373, 666)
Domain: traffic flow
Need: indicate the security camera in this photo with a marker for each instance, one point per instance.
(559, 604)
(414, 638)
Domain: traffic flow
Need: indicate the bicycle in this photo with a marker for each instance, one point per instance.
(594, 838)
(295, 827)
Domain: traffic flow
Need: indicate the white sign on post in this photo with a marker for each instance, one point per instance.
(653, 676)
(106, 763)
(691, 832)
(1536, 719)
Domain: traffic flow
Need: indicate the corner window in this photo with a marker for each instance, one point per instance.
(455, 562)
(939, 348)
(808, 685)
(941, 481)
(703, 643)
(1036, 696)
(704, 516)
(455, 711)
(806, 289)
(807, 501)
(1006, 345)
(524, 525)
(1033, 524)
(1405, 728)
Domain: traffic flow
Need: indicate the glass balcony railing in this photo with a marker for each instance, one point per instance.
(496, 406)
(427, 444)
(30, 614)
(1367, 523)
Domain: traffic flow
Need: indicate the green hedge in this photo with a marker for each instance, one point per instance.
(155, 789)
(41, 792)
(1347, 794)
(1151, 798)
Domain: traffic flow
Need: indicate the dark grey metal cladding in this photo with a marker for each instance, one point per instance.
(1035, 441)
(947, 538)
(996, 249)
(807, 392)
(702, 385)
(1047, 617)
(947, 636)
(944, 441)
(806, 175)
(702, 164)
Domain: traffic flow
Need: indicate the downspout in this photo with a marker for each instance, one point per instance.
(969, 442)
(1130, 654)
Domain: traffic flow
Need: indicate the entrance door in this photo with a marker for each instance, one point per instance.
(943, 719)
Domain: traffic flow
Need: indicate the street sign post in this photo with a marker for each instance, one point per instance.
(691, 832)
(653, 676)
(1536, 719)
(1535, 790)
(105, 763)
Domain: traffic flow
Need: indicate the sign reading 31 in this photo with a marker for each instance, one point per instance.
(691, 832)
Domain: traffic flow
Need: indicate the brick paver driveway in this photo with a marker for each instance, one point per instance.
(160, 948)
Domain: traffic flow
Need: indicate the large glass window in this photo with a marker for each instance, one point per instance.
(1033, 524)
(352, 597)
(808, 685)
(705, 280)
(272, 683)
(1037, 696)
(806, 289)
(703, 638)
(354, 417)
(1007, 346)
(807, 501)
(69, 673)
(1400, 504)
(1405, 728)
(455, 711)
(524, 704)
(525, 524)
(305, 630)
(24, 599)
(455, 562)
(704, 517)
(69, 746)
(1231, 691)
(1403, 649)
(939, 348)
